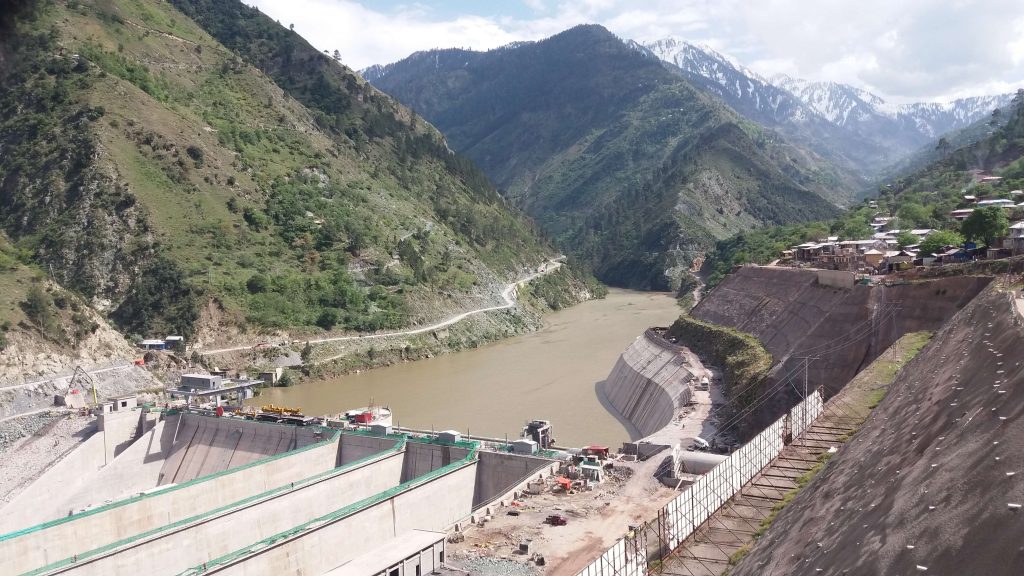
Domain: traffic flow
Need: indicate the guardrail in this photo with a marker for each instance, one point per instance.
(688, 511)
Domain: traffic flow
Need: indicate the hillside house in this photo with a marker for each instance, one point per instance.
(153, 344)
(899, 260)
(961, 214)
(873, 258)
(1001, 202)
(954, 255)
(1015, 242)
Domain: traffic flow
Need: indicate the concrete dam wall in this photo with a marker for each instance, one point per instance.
(648, 384)
(205, 445)
(363, 489)
(795, 315)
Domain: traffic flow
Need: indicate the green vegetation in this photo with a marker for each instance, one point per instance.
(150, 167)
(627, 166)
(38, 307)
(938, 240)
(923, 199)
(559, 289)
(985, 225)
(743, 359)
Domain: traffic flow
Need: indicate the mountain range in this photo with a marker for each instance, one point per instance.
(848, 125)
(622, 161)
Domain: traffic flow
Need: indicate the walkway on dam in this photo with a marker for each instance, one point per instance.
(708, 550)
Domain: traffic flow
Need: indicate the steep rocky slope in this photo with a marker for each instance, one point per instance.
(174, 181)
(930, 482)
(842, 329)
(626, 164)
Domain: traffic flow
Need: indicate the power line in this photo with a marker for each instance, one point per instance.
(889, 311)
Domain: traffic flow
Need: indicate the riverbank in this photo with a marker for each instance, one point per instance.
(522, 306)
(551, 373)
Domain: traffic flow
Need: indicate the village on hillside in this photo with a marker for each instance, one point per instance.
(891, 249)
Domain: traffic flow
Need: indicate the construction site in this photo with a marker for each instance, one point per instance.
(844, 457)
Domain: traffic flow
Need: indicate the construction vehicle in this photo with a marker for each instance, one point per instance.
(281, 410)
(80, 382)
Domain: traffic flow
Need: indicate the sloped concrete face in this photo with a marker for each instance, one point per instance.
(65, 536)
(648, 384)
(794, 315)
(204, 445)
(190, 546)
(433, 505)
(930, 478)
(497, 473)
(422, 459)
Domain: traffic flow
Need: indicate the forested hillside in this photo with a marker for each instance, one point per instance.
(626, 164)
(181, 176)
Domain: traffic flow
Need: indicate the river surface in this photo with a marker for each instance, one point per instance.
(494, 390)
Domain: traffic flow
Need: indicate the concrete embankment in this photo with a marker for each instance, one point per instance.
(841, 326)
(648, 385)
(932, 480)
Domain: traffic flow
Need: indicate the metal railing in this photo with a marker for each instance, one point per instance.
(685, 513)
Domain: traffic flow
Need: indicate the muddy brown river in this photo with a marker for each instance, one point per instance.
(494, 390)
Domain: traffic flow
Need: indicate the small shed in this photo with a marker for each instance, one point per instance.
(381, 430)
(124, 403)
(524, 446)
(873, 257)
(449, 436)
(152, 344)
(592, 471)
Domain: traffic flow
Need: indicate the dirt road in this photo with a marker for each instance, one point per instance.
(508, 294)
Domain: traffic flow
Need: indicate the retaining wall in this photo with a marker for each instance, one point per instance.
(205, 445)
(648, 384)
(421, 459)
(179, 549)
(62, 538)
(499, 474)
(355, 447)
(134, 470)
(794, 315)
(36, 503)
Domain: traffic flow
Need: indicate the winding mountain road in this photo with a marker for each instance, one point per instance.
(509, 294)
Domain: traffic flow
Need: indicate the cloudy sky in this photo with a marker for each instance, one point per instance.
(903, 50)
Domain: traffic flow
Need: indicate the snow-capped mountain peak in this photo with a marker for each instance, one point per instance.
(696, 57)
(829, 115)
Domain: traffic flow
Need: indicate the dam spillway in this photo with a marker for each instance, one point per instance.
(302, 500)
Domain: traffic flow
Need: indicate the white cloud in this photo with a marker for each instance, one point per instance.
(905, 50)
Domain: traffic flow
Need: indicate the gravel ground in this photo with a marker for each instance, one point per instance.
(30, 445)
(483, 566)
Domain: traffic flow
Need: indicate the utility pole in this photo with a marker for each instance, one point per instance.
(807, 361)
